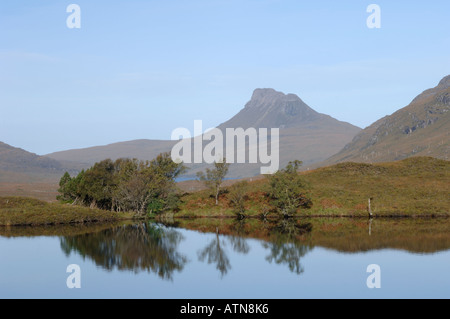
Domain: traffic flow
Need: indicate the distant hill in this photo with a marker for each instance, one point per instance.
(141, 149)
(18, 165)
(420, 129)
(304, 134)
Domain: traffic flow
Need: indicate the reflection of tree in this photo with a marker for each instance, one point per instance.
(239, 243)
(285, 245)
(215, 254)
(141, 247)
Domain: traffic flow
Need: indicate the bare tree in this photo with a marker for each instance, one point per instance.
(213, 178)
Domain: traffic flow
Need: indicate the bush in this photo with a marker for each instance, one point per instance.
(238, 196)
(287, 190)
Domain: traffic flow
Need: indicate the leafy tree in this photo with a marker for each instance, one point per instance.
(70, 188)
(98, 185)
(167, 171)
(65, 188)
(76, 188)
(213, 178)
(166, 167)
(287, 190)
(126, 185)
(147, 186)
(237, 196)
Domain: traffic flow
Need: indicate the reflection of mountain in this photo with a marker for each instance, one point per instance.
(142, 247)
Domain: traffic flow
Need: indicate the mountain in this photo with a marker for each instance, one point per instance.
(269, 108)
(420, 129)
(304, 134)
(18, 165)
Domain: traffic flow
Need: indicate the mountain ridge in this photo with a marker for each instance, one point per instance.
(421, 128)
(18, 165)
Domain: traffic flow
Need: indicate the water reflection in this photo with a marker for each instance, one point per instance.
(287, 244)
(214, 253)
(140, 247)
(154, 247)
(237, 239)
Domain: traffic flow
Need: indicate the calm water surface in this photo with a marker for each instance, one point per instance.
(318, 258)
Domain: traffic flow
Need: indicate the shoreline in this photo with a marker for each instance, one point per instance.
(165, 218)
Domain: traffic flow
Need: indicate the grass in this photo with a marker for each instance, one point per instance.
(21, 211)
(418, 186)
(415, 187)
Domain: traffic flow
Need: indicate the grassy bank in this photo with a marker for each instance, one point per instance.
(413, 187)
(21, 211)
(417, 186)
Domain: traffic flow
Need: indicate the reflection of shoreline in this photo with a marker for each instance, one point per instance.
(417, 235)
(351, 235)
(55, 230)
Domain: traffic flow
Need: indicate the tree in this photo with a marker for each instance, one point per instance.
(287, 190)
(167, 197)
(65, 188)
(213, 178)
(70, 188)
(98, 184)
(126, 185)
(237, 196)
(147, 186)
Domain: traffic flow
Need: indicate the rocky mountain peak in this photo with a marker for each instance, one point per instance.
(445, 82)
(265, 97)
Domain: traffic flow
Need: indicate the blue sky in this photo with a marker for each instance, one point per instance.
(139, 69)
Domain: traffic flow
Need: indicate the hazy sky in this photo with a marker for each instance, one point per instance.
(139, 69)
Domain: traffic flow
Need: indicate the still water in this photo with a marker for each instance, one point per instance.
(214, 258)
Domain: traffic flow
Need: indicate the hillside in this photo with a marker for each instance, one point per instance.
(420, 129)
(141, 149)
(17, 159)
(18, 165)
(304, 134)
(417, 186)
